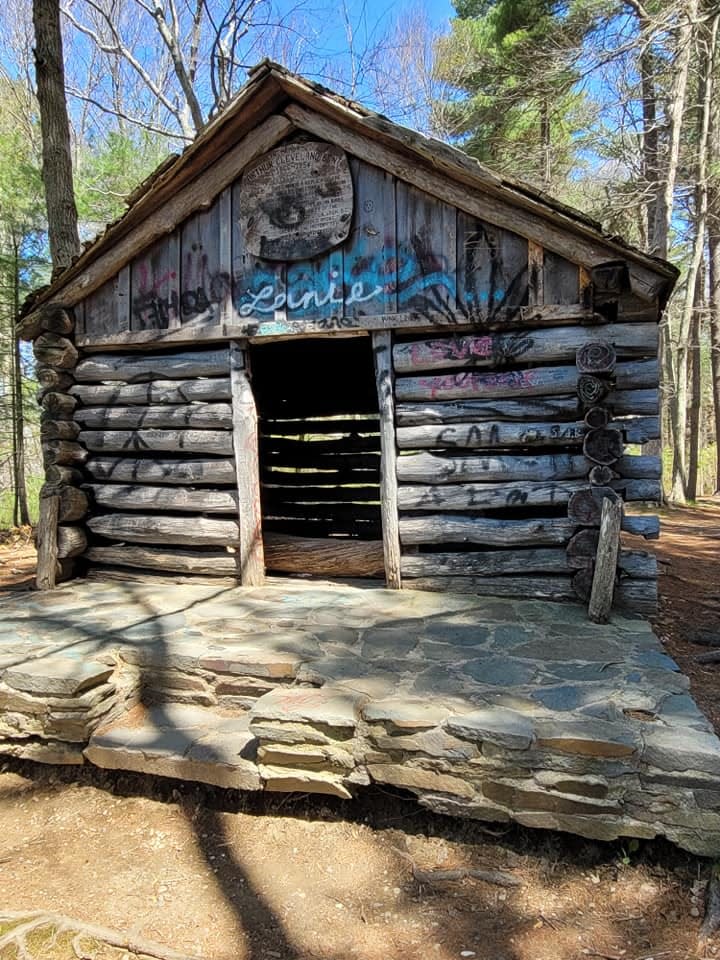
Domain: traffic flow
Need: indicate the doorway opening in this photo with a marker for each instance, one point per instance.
(319, 456)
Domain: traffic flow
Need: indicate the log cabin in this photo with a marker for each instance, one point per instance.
(319, 343)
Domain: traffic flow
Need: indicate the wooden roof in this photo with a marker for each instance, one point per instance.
(273, 90)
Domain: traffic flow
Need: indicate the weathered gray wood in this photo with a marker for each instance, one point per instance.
(199, 415)
(638, 403)
(603, 446)
(145, 528)
(533, 382)
(63, 452)
(251, 569)
(489, 434)
(428, 225)
(276, 491)
(204, 563)
(459, 411)
(597, 356)
(490, 563)
(582, 548)
(525, 588)
(131, 470)
(328, 425)
(218, 442)
(57, 406)
(647, 527)
(487, 496)
(645, 467)
(591, 390)
(71, 541)
(52, 350)
(58, 430)
(536, 273)
(600, 475)
(639, 429)
(328, 557)
(562, 280)
(597, 417)
(439, 528)
(585, 505)
(640, 596)
(157, 391)
(569, 238)
(59, 476)
(88, 274)
(638, 564)
(382, 351)
(51, 379)
(73, 502)
(46, 541)
(527, 346)
(649, 490)
(450, 468)
(125, 496)
(50, 318)
(145, 367)
(606, 558)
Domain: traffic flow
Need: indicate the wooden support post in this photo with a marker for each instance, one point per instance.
(47, 543)
(603, 582)
(382, 351)
(245, 444)
(536, 274)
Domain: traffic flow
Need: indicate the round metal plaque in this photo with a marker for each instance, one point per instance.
(296, 202)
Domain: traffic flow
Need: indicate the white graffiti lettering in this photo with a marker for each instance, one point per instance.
(268, 299)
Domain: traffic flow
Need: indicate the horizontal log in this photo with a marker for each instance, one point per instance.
(50, 318)
(158, 366)
(600, 475)
(487, 496)
(460, 411)
(58, 430)
(315, 478)
(533, 382)
(531, 346)
(320, 511)
(199, 415)
(156, 391)
(130, 470)
(490, 563)
(218, 563)
(308, 459)
(57, 406)
(145, 528)
(638, 564)
(332, 557)
(603, 446)
(177, 441)
(333, 494)
(524, 588)
(297, 428)
(591, 390)
(58, 475)
(585, 506)
(63, 452)
(638, 596)
(639, 429)
(71, 542)
(647, 527)
(447, 468)
(489, 434)
(126, 496)
(648, 490)
(645, 467)
(639, 403)
(49, 379)
(436, 528)
(600, 356)
(597, 417)
(279, 446)
(52, 350)
(73, 503)
(355, 529)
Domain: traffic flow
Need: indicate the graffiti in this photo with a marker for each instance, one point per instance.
(469, 383)
(470, 350)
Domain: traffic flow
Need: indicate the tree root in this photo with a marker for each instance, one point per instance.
(498, 877)
(29, 922)
(711, 923)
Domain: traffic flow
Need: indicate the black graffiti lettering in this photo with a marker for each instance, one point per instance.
(446, 437)
(516, 498)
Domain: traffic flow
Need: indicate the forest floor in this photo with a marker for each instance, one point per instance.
(228, 876)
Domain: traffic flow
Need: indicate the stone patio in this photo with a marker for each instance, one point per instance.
(491, 709)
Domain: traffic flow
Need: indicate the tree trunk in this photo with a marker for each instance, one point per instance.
(21, 514)
(713, 232)
(57, 160)
(695, 379)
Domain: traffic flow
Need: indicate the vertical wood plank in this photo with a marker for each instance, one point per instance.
(225, 284)
(492, 267)
(561, 279)
(603, 584)
(155, 284)
(101, 310)
(370, 259)
(47, 548)
(250, 554)
(258, 285)
(536, 274)
(202, 282)
(585, 286)
(426, 252)
(122, 291)
(382, 352)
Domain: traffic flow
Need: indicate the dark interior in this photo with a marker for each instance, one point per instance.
(319, 447)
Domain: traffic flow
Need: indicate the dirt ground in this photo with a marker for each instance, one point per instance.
(231, 877)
